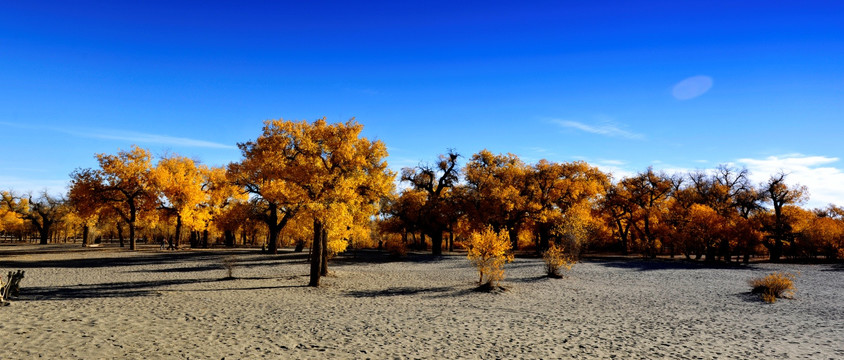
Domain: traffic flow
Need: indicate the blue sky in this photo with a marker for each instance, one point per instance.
(622, 85)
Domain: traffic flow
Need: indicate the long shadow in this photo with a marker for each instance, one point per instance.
(105, 290)
(98, 262)
(176, 257)
(247, 288)
(750, 298)
(237, 263)
(366, 256)
(398, 291)
(658, 264)
(529, 279)
(836, 267)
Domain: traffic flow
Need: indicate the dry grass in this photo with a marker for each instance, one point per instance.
(774, 286)
(229, 263)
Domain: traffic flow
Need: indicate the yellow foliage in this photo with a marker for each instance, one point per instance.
(556, 259)
(178, 183)
(395, 246)
(336, 246)
(773, 286)
(489, 251)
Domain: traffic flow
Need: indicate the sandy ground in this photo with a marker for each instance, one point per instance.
(105, 303)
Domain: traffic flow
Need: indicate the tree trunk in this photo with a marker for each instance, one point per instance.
(272, 224)
(205, 239)
(316, 254)
(85, 230)
(229, 236)
(776, 251)
(544, 238)
(132, 236)
(437, 242)
(323, 267)
(120, 233)
(44, 233)
(514, 237)
(177, 237)
(300, 245)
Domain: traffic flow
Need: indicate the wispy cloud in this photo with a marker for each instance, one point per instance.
(604, 128)
(129, 136)
(143, 138)
(52, 186)
(692, 87)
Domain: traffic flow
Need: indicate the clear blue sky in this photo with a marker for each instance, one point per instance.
(674, 84)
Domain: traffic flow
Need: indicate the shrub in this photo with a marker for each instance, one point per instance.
(228, 263)
(556, 259)
(489, 252)
(773, 286)
(395, 248)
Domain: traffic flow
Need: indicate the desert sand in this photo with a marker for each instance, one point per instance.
(107, 303)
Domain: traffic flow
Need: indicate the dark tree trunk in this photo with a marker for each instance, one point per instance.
(725, 250)
(205, 238)
(316, 254)
(776, 251)
(514, 237)
(437, 242)
(44, 233)
(177, 237)
(300, 246)
(272, 224)
(132, 236)
(229, 236)
(323, 267)
(544, 238)
(85, 231)
(120, 233)
(133, 213)
(623, 235)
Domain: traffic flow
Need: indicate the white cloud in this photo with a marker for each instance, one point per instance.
(143, 138)
(824, 181)
(21, 185)
(605, 128)
(692, 87)
(130, 136)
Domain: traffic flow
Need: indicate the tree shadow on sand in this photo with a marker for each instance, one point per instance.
(652, 265)
(443, 291)
(110, 261)
(366, 256)
(134, 289)
(835, 267)
(104, 290)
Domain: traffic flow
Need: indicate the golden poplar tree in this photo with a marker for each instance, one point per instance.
(561, 198)
(84, 198)
(177, 183)
(498, 193)
(439, 211)
(270, 173)
(124, 186)
(42, 212)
